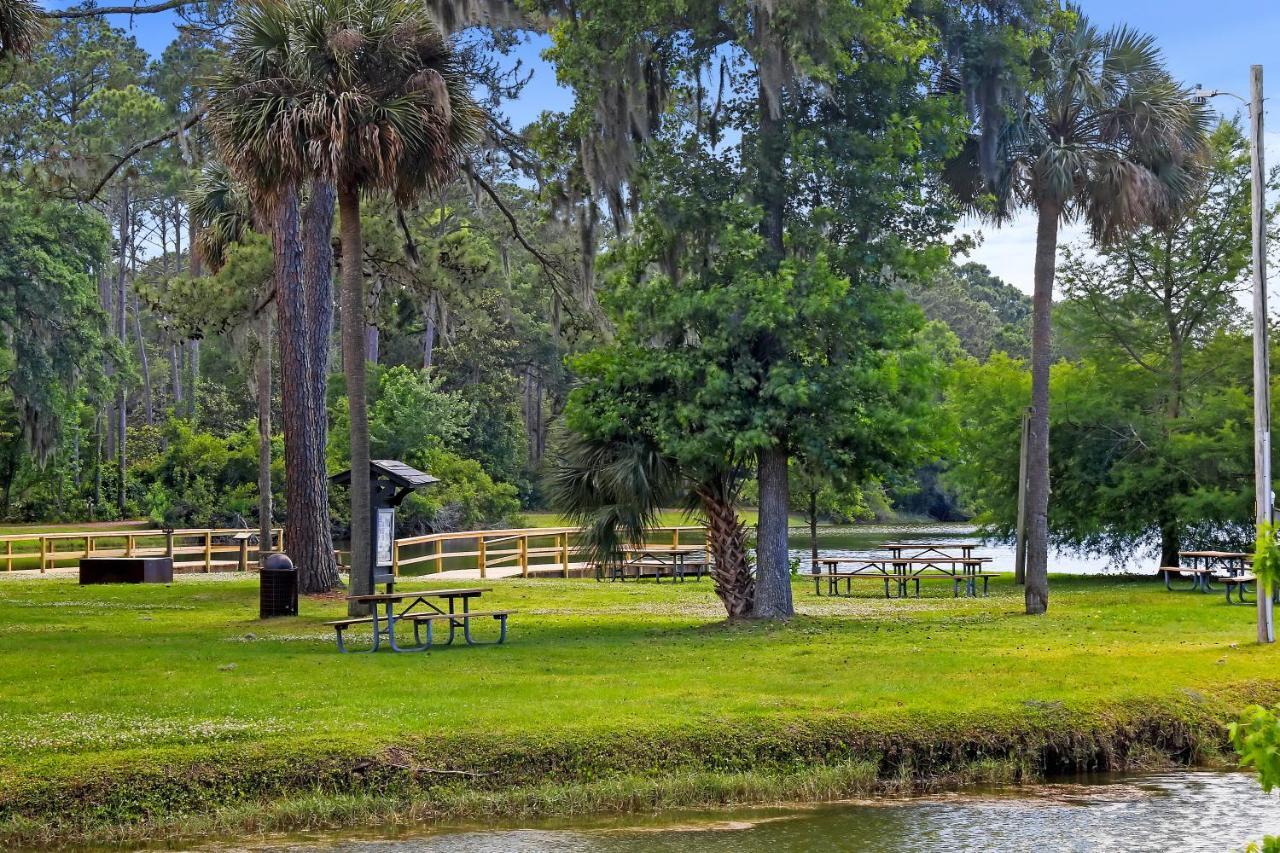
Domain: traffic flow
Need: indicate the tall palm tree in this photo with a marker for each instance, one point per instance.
(254, 113)
(367, 96)
(1103, 134)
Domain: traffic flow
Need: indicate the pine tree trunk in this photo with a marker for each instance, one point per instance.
(307, 536)
(773, 566)
(193, 380)
(193, 357)
(353, 367)
(122, 426)
(429, 332)
(317, 281)
(813, 530)
(147, 400)
(263, 380)
(1037, 583)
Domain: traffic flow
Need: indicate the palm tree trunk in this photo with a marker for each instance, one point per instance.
(353, 367)
(263, 380)
(773, 566)
(1037, 581)
(307, 536)
(731, 562)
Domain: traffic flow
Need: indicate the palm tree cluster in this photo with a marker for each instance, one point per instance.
(1102, 134)
(349, 97)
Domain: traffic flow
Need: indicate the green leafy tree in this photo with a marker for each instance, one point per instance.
(1155, 299)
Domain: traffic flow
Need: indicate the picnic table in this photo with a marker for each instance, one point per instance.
(656, 560)
(903, 571)
(1232, 569)
(421, 609)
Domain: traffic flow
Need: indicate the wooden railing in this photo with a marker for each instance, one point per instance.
(540, 549)
(200, 548)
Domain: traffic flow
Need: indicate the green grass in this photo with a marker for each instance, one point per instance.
(137, 706)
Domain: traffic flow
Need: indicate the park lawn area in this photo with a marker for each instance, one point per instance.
(118, 702)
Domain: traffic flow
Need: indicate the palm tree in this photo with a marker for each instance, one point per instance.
(254, 115)
(366, 96)
(21, 25)
(615, 487)
(1102, 134)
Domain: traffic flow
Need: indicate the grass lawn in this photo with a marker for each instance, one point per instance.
(109, 695)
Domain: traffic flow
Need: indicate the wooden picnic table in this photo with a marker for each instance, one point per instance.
(385, 625)
(903, 571)
(657, 557)
(1205, 566)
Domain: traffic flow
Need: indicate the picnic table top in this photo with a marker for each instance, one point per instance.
(901, 560)
(1223, 555)
(662, 549)
(428, 593)
(900, 545)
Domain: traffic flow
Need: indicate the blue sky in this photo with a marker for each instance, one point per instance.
(1212, 42)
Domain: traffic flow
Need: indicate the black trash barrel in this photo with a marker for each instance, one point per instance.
(278, 588)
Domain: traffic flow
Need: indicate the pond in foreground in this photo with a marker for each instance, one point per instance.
(1183, 811)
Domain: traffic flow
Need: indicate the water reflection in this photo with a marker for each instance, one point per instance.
(1184, 811)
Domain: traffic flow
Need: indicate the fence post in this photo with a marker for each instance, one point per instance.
(244, 555)
(128, 545)
(208, 551)
(53, 554)
(439, 551)
(481, 551)
(8, 553)
(524, 556)
(168, 543)
(675, 537)
(395, 558)
(564, 554)
(43, 549)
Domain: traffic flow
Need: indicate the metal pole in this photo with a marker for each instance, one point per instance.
(1261, 364)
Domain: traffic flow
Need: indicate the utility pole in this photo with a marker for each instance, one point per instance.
(1261, 353)
(1263, 499)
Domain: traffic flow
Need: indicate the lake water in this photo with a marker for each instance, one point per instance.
(861, 541)
(1177, 811)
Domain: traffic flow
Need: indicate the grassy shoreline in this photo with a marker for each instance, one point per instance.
(417, 782)
(135, 713)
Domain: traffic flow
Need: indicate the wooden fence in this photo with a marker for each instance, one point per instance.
(537, 550)
(204, 549)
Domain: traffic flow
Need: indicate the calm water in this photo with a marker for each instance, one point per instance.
(861, 541)
(1182, 811)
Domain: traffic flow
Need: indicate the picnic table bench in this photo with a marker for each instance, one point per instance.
(904, 571)
(385, 625)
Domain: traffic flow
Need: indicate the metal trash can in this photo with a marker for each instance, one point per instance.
(278, 587)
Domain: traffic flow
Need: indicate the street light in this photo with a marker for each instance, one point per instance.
(1263, 499)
